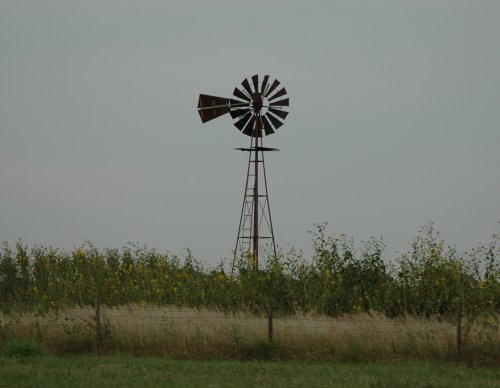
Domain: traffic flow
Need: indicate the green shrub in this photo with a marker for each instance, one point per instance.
(258, 350)
(22, 349)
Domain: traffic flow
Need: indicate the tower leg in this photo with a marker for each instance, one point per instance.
(255, 251)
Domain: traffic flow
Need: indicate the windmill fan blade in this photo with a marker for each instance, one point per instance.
(248, 130)
(268, 129)
(240, 124)
(274, 120)
(238, 93)
(237, 103)
(277, 112)
(255, 80)
(211, 107)
(280, 93)
(284, 102)
(264, 84)
(238, 112)
(273, 86)
(247, 87)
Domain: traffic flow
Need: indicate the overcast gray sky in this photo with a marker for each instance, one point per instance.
(395, 120)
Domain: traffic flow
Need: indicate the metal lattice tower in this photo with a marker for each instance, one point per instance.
(255, 232)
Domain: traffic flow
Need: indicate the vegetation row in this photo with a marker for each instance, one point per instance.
(428, 280)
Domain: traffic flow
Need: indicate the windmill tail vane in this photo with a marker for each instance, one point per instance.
(258, 108)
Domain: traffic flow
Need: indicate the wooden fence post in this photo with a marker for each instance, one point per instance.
(270, 321)
(459, 327)
(98, 324)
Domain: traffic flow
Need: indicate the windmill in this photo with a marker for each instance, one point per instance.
(258, 108)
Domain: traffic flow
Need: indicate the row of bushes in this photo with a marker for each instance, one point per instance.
(429, 279)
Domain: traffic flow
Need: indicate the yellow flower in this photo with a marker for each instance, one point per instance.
(481, 285)
(490, 320)
(328, 273)
(332, 282)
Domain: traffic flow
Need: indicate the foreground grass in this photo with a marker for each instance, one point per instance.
(115, 371)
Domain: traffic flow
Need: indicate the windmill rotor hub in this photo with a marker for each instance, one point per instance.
(257, 102)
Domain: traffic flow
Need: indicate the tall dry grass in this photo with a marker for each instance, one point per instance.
(205, 334)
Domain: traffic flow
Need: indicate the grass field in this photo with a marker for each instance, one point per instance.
(118, 371)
